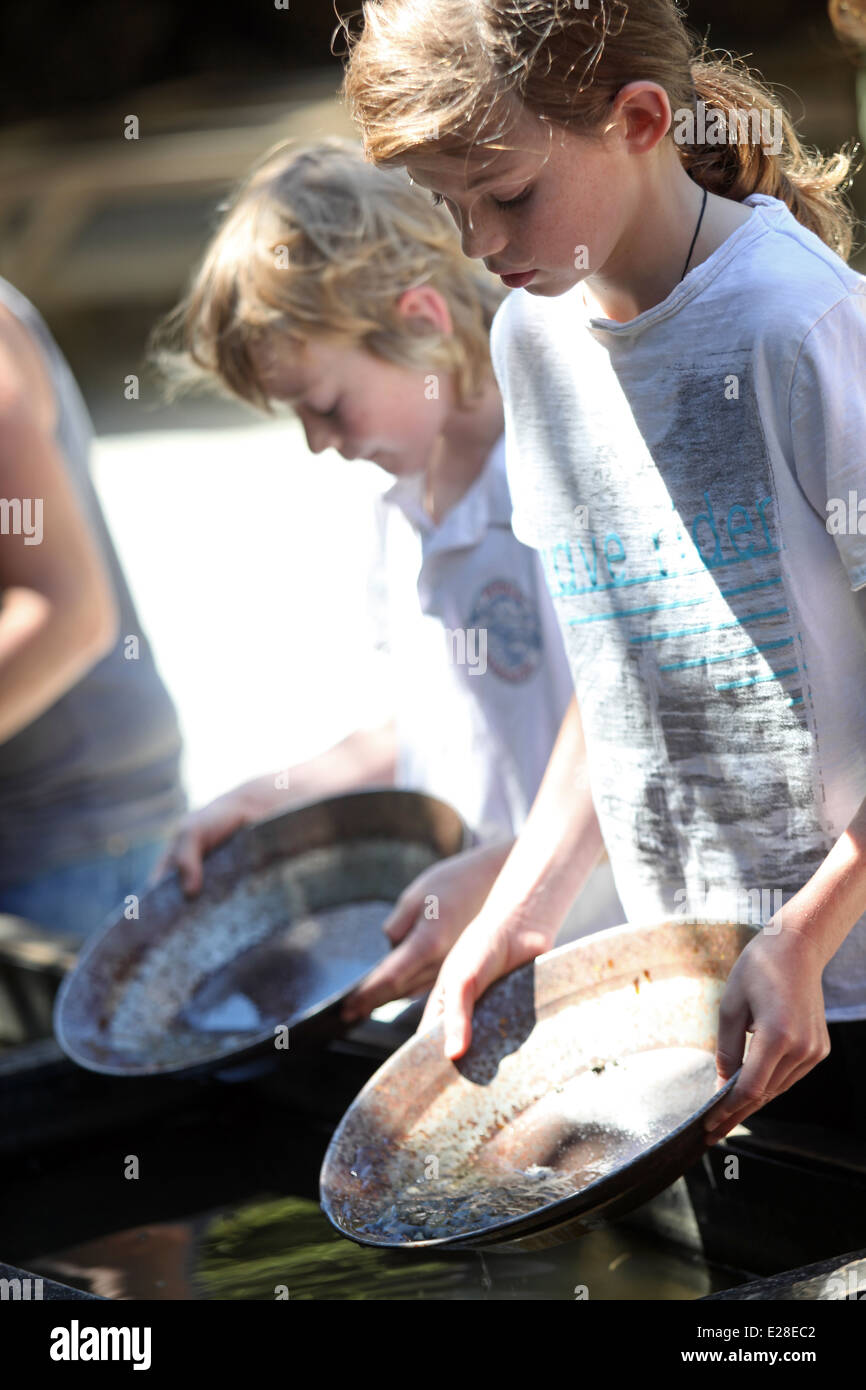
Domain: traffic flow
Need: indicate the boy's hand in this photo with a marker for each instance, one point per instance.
(200, 832)
(426, 921)
(482, 955)
(773, 992)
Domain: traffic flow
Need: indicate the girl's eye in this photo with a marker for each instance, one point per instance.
(512, 202)
(329, 414)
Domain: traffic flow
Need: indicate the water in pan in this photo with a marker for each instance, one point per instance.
(577, 1132)
(469, 1203)
(605, 1115)
(171, 1007)
(316, 958)
(283, 904)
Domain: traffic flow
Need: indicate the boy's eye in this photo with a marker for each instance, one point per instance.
(328, 414)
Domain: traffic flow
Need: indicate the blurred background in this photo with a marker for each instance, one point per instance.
(269, 657)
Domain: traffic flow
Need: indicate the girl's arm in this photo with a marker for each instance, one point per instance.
(552, 858)
(58, 615)
(774, 990)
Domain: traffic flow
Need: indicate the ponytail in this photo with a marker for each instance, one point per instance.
(742, 160)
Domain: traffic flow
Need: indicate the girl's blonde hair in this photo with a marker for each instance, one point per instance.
(320, 244)
(443, 75)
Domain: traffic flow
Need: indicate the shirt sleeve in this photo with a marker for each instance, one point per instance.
(506, 349)
(827, 416)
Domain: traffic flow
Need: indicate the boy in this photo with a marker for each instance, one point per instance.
(339, 290)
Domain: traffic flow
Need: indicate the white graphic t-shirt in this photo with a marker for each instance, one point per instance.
(695, 481)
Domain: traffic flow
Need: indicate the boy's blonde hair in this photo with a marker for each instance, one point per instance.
(440, 76)
(318, 243)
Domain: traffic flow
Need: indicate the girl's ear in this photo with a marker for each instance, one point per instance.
(642, 113)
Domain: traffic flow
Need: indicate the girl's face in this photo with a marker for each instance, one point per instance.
(351, 401)
(553, 203)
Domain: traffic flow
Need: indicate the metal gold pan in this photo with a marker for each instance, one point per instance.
(582, 1096)
(288, 921)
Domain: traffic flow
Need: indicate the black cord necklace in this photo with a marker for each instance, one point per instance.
(695, 237)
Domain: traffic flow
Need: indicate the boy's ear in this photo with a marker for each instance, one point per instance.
(426, 303)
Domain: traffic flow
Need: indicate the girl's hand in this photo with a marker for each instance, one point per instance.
(427, 920)
(482, 955)
(774, 993)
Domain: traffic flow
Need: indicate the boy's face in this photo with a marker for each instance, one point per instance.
(351, 401)
(568, 196)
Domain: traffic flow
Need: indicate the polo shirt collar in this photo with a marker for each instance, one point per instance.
(486, 503)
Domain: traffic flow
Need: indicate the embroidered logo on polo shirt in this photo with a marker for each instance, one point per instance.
(513, 626)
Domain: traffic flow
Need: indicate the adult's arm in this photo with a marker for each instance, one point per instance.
(58, 615)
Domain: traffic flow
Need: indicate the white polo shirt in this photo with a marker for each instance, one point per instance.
(481, 682)
(477, 715)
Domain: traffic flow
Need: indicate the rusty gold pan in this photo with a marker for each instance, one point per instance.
(582, 1096)
(289, 919)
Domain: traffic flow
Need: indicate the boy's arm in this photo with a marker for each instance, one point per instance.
(552, 858)
(367, 757)
(455, 888)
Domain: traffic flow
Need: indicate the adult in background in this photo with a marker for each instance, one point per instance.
(89, 740)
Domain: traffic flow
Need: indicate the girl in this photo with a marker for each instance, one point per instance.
(682, 371)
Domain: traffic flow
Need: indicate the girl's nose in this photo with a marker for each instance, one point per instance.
(481, 236)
